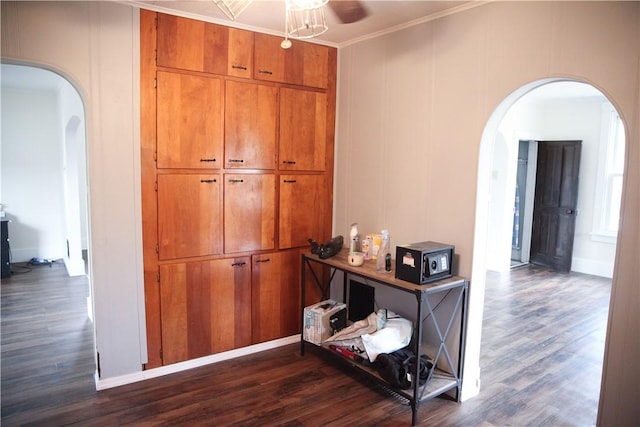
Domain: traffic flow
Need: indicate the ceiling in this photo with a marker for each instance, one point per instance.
(564, 90)
(268, 16)
(28, 78)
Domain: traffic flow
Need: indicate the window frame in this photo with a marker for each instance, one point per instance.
(612, 137)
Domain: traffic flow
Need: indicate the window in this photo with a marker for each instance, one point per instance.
(609, 185)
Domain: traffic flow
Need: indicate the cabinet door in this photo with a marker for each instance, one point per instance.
(316, 65)
(275, 294)
(240, 57)
(302, 209)
(189, 215)
(269, 58)
(249, 212)
(194, 45)
(190, 116)
(250, 125)
(303, 64)
(303, 130)
(204, 308)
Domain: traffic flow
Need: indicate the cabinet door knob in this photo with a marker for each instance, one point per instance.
(238, 67)
(208, 181)
(238, 264)
(289, 162)
(265, 72)
(207, 160)
(263, 260)
(235, 161)
(236, 180)
(290, 181)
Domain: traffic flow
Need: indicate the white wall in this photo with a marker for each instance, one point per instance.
(96, 46)
(566, 120)
(410, 154)
(500, 222)
(32, 189)
(54, 130)
(551, 120)
(74, 150)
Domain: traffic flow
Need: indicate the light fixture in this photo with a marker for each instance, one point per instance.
(304, 19)
(232, 8)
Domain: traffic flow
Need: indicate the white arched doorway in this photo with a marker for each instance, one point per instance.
(46, 166)
(46, 185)
(494, 143)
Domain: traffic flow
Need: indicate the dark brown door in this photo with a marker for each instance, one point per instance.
(556, 197)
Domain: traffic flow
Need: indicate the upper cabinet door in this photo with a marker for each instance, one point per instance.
(315, 60)
(303, 64)
(190, 116)
(269, 58)
(303, 130)
(251, 112)
(240, 57)
(201, 46)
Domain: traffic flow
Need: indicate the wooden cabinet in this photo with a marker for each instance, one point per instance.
(189, 215)
(249, 212)
(302, 209)
(201, 46)
(236, 174)
(303, 130)
(275, 292)
(251, 112)
(304, 64)
(205, 307)
(189, 121)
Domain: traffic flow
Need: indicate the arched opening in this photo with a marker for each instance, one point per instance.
(44, 172)
(500, 144)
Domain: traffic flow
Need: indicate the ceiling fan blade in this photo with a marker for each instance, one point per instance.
(348, 11)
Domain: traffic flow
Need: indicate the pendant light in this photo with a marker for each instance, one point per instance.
(232, 8)
(305, 19)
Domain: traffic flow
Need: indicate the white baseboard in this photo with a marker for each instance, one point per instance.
(105, 383)
(593, 267)
(25, 254)
(75, 266)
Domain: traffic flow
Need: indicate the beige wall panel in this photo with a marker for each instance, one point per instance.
(472, 61)
(95, 46)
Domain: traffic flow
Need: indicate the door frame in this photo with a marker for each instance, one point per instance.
(527, 223)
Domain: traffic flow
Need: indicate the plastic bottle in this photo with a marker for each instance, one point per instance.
(355, 238)
(383, 260)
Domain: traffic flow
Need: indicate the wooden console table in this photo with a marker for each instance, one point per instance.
(441, 379)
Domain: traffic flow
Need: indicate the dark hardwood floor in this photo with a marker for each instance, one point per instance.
(542, 348)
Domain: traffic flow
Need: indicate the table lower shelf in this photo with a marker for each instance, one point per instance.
(440, 382)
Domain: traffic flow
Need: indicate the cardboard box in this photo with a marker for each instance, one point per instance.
(316, 325)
